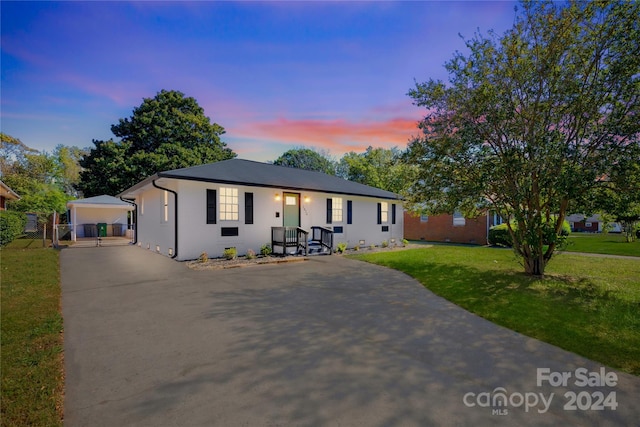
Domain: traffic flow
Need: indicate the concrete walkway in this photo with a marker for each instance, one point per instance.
(326, 342)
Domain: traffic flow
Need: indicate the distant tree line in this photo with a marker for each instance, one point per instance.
(378, 167)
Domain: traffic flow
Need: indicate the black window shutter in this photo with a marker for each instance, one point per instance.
(393, 213)
(379, 213)
(212, 206)
(248, 208)
(349, 212)
(329, 210)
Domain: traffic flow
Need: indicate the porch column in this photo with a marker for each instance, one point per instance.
(73, 229)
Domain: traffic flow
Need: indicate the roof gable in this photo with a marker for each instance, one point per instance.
(250, 173)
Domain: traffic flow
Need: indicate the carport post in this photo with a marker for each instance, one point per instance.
(73, 228)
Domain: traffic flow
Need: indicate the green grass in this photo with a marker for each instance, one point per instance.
(587, 305)
(32, 378)
(601, 243)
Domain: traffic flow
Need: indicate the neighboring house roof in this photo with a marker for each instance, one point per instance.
(103, 201)
(7, 192)
(581, 217)
(250, 173)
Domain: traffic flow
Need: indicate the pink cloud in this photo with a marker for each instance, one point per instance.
(337, 136)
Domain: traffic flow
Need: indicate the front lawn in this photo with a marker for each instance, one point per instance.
(31, 335)
(587, 305)
(603, 243)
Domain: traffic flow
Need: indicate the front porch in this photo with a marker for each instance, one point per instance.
(296, 241)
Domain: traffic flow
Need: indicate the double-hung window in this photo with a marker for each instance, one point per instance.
(165, 206)
(336, 211)
(384, 212)
(458, 219)
(228, 204)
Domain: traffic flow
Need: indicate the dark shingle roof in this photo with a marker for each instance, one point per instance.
(247, 172)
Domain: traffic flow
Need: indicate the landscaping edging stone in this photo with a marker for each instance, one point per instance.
(222, 263)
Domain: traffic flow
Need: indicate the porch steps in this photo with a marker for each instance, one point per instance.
(313, 249)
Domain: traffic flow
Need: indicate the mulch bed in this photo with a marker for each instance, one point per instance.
(223, 263)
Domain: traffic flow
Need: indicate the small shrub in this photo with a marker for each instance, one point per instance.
(356, 248)
(499, 235)
(251, 254)
(230, 253)
(385, 244)
(405, 242)
(204, 257)
(11, 226)
(341, 247)
(372, 246)
(265, 250)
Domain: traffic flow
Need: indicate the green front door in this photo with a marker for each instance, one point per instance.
(291, 209)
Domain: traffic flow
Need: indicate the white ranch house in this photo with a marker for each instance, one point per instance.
(239, 203)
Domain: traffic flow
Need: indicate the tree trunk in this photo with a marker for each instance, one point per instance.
(534, 265)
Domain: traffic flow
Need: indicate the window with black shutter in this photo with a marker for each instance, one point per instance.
(329, 210)
(211, 206)
(393, 213)
(379, 213)
(349, 212)
(248, 208)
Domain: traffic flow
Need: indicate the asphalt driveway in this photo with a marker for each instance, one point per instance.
(329, 341)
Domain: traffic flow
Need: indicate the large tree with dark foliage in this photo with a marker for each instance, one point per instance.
(307, 158)
(166, 132)
(532, 121)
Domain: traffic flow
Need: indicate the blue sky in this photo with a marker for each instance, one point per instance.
(275, 75)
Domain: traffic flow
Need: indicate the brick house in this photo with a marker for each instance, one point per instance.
(449, 228)
(581, 223)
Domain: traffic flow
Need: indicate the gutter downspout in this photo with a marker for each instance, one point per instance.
(175, 225)
(135, 230)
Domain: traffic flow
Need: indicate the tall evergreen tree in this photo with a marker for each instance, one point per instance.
(166, 132)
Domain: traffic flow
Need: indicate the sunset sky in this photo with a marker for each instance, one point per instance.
(275, 75)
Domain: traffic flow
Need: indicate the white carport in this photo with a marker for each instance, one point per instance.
(86, 214)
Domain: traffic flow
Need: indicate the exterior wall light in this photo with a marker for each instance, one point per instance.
(307, 199)
(277, 196)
